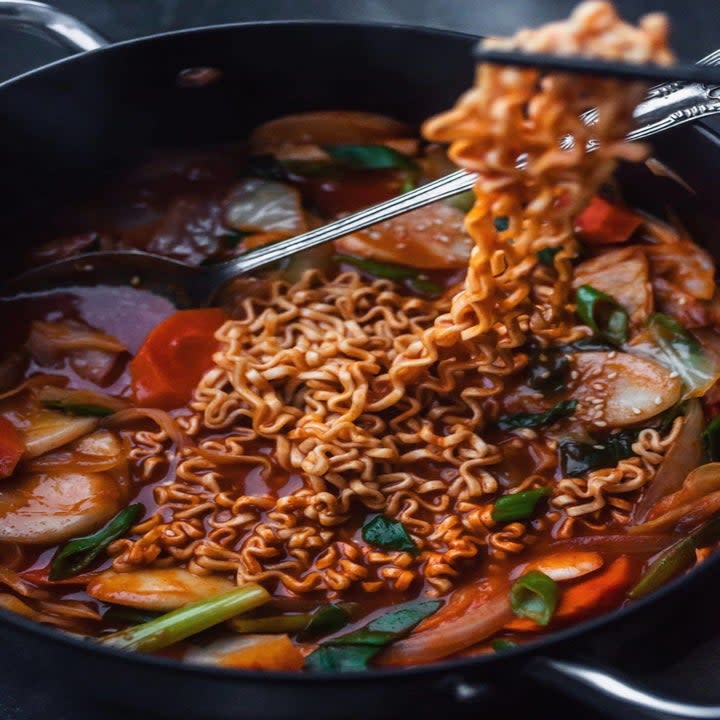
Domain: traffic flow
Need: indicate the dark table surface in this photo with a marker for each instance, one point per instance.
(696, 31)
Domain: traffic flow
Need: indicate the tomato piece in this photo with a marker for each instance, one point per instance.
(602, 223)
(12, 447)
(173, 358)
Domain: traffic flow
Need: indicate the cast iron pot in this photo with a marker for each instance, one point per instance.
(68, 126)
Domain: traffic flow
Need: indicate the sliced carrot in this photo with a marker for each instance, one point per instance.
(602, 223)
(12, 447)
(174, 357)
(600, 592)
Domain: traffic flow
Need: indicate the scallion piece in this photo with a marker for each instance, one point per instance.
(353, 651)
(534, 596)
(76, 555)
(518, 506)
(188, 620)
(388, 534)
(603, 314)
(535, 420)
(416, 279)
(676, 559)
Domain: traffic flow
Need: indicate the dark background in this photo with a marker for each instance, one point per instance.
(696, 31)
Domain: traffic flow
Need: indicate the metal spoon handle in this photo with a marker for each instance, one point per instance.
(447, 186)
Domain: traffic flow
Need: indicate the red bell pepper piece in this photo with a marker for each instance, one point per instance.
(173, 358)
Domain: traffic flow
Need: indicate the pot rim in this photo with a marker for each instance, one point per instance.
(525, 652)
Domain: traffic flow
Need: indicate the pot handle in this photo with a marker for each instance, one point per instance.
(614, 695)
(72, 34)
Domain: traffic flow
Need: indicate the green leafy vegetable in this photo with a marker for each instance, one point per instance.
(579, 458)
(603, 314)
(679, 351)
(82, 403)
(677, 558)
(711, 440)
(546, 256)
(76, 555)
(548, 370)
(501, 223)
(416, 280)
(189, 620)
(353, 651)
(534, 420)
(500, 644)
(370, 157)
(535, 596)
(388, 534)
(592, 344)
(327, 619)
(518, 506)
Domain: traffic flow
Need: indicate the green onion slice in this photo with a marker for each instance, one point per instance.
(189, 620)
(535, 596)
(518, 506)
(370, 157)
(78, 554)
(603, 314)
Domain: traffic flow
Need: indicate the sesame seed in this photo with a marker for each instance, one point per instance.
(612, 375)
(598, 386)
(601, 423)
(599, 447)
(658, 400)
(611, 355)
(597, 401)
(636, 411)
(574, 374)
(674, 374)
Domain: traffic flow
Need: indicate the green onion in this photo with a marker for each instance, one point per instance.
(326, 619)
(589, 344)
(548, 370)
(388, 534)
(535, 596)
(118, 615)
(519, 506)
(534, 420)
(677, 558)
(76, 555)
(501, 223)
(500, 644)
(188, 620)
(670, 330)
(353, 651)
(79, 409)
(417, 280)
(711, 440)
(579, 458)
(370, 157)
(603, 314)
(546, 256)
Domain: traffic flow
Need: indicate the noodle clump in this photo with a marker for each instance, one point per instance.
(358, 397)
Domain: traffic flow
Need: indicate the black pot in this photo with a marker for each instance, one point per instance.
(68, 126)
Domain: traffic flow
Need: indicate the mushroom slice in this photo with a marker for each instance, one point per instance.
(155, 588)
(621, 389)
(264, 206)
(50, 508)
